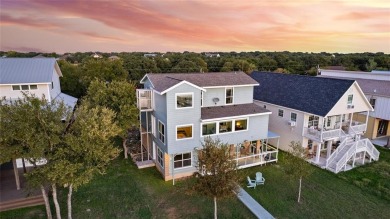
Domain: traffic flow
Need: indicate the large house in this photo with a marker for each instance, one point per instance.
(376, 87)
(177, 111)
(321, 114)
(38, 76)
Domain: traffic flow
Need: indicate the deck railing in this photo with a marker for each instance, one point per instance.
(335, 153)
(315, 134)
(256, 159)
(359, 128)
(144, 99)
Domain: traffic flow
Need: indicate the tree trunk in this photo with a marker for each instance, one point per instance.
(55, 200)
(300, 187)
(124, 147)
(47, 205)
(70, 201)
(215, 207)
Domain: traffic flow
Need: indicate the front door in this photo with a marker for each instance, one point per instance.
(382, 127)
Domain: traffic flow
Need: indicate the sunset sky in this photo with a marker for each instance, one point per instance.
(60, 26)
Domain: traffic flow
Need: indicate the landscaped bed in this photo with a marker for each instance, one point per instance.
(360, 193)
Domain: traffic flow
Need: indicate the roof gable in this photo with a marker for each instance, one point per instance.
(304, 93)
(27, 70)
(162, 82)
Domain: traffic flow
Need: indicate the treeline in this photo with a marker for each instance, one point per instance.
(80, 68)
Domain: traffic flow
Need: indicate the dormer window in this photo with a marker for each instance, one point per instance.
(229, 95)
(350, 99)
(184, 100)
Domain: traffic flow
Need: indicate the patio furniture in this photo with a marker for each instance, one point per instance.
(251, 183)
(259, 179)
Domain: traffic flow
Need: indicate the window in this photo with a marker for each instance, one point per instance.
(33, 87)
(309, 144)
(328, 122)
(229, 95)
(372, 102)
(280, 113)
(209, 129)
(25, 87)
(182, 160)
(313, 121)
(241, 124)
(15, 87)
(225, 127)
(201, 98)
(293, 117)
(350, 98)
(160, 157)
(184, 100)
(183, 132)
(161, 131)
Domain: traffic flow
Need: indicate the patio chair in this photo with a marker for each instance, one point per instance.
(251, 183)
(259, 179)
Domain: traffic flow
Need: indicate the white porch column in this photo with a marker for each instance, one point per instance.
(328, 149)
(318, 152)
(368, 114)
(350, 122)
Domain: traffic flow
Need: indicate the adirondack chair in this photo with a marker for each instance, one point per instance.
(259, 179)
(251, 183)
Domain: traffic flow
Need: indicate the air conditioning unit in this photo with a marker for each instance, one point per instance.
(292, 123)
(350, 106)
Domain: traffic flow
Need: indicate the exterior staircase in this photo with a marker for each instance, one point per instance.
(348, 149)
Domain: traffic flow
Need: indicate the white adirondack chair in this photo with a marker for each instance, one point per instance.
(259, 179)
(251, 183)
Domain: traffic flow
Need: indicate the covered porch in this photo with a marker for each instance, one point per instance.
(253, 153)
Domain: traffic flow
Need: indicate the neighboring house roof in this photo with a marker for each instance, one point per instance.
(162, 82)
(231, 111)
(315, 95)
(68, 100)
(27, 70)
(369, 86)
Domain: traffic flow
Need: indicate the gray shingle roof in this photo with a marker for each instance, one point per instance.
(314, 95)
(369, 86)
(26, 70)
(162, 82)
(231, 110)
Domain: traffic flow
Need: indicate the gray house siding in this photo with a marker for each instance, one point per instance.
(257, 129)
(160, 113)
(241, 95)
(183, 117)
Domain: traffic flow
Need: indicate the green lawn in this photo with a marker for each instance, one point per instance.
(359, 193)
(126, 192)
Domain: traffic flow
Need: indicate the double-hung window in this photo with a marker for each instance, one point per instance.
(209, 129)
(350, 99)
(182, 160)
(293, 117)
(160, 157)
(280, 113)
(229, 92)
(313, 121)
(161, 131)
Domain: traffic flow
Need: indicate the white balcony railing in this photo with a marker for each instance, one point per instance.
(144, 99)
(315, 134)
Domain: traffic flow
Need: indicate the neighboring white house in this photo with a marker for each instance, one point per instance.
(177, 111)
(38, 76)
(376, 87)
(319, 113)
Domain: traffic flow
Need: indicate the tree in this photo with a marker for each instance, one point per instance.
(42, 128)
(217, 174)
(118, 96)
(87, 149)
(296, 166)
(70, 82)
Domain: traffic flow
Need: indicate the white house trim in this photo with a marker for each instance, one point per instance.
(235, 117)
(178, 84)
(243, 85)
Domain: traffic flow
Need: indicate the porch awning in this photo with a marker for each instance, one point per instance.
(272, 135)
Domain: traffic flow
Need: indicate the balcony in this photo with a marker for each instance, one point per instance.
(144, 100)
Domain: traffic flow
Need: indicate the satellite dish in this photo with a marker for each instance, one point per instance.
(215, 100)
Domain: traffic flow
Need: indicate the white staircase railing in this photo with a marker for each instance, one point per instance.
(344, 159)
(359, 128)
(370, 148)
(335, 153)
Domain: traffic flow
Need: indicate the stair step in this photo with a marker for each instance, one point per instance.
(21, 203)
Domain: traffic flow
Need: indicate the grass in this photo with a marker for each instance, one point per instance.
(126, 192)
(353, 194)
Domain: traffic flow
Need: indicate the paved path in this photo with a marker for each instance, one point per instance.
(253, 205)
